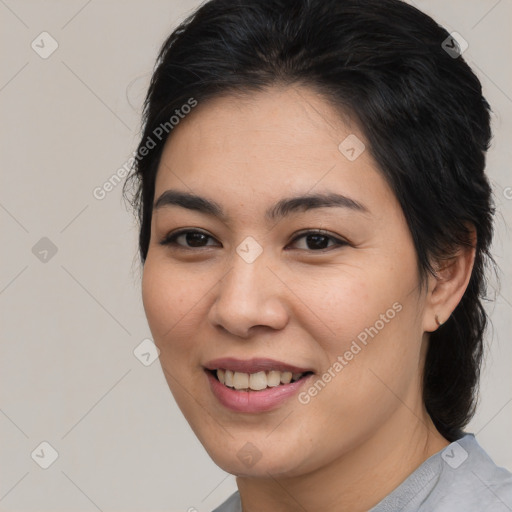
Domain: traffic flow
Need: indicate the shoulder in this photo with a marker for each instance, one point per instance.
(232, 504)
(460, 478)
(469, 480)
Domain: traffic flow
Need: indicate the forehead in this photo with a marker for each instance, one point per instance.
(267, 145)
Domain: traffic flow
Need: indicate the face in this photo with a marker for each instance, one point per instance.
(324, 288)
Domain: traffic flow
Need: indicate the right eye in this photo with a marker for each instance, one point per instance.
(187, 239)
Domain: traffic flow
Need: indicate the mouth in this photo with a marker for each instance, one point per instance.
(256, 385)
(257, 381)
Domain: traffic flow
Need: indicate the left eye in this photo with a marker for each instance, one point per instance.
(192, 238)
(317, 241)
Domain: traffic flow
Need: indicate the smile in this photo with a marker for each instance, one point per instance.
(255, 385)
(256, 381)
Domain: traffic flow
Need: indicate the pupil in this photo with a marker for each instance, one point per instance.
(194, 239)
(317, 241)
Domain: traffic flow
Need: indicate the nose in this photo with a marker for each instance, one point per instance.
(250, 295)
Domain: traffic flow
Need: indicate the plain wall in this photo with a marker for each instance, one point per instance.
(71, 320)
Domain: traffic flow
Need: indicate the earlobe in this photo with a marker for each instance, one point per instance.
(447, 287)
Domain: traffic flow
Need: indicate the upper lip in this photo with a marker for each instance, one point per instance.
(254, 365)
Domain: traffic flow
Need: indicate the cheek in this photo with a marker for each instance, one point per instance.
(171, 299)
(172, 303)
(365, 321)
(352, 303)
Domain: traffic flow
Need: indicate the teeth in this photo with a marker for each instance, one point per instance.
(273, 379)
(286, 377)
(256, 381)
(240, 380)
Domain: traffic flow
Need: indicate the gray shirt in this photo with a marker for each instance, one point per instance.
(459, 478)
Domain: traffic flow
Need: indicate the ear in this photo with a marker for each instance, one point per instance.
(445, 290)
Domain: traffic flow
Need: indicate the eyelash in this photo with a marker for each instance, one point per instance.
(170, 239)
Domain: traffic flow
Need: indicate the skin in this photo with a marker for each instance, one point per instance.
(368, 429)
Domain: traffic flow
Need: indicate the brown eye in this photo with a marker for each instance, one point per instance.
(187, 239)
(318, 241)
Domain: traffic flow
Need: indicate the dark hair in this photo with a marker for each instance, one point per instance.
(420, 108)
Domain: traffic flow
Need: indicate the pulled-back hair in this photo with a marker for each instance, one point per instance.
(419, 107)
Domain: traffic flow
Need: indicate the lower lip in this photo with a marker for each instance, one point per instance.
(254, 401)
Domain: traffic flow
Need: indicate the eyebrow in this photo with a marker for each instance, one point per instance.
(281, 209)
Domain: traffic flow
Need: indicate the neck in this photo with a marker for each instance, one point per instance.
(358, 479)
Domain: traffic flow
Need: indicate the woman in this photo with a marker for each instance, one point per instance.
(315, 222)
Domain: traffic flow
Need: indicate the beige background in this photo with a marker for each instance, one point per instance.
(70, 324)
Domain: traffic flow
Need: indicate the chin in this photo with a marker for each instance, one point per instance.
(245, 459)
(261, 469)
